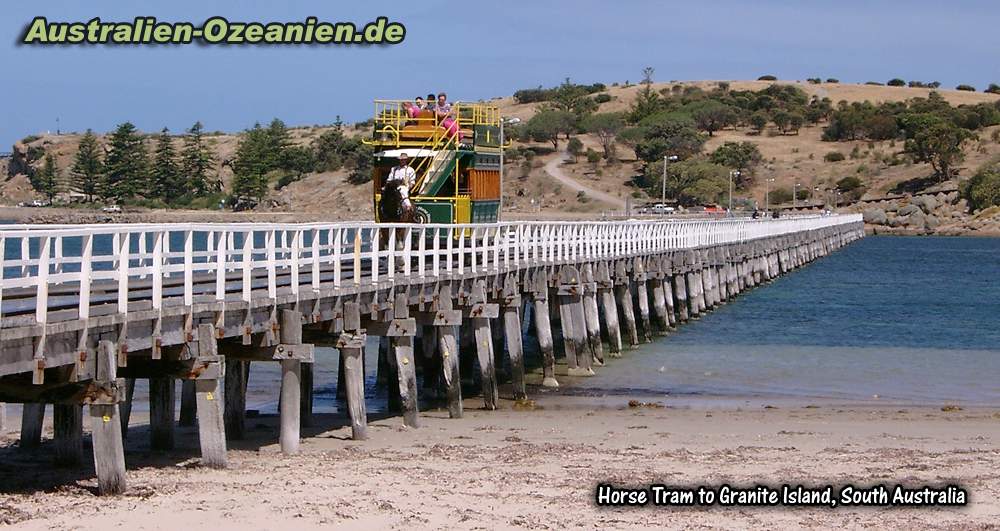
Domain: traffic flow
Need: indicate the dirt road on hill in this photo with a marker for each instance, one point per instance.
(553, 168)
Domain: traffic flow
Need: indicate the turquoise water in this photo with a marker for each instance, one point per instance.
(914, 320)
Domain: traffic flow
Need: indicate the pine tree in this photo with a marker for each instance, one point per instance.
(278, 143)
(167, 182)
(87, 170)
(127, 165)
(48, 178)
(196, 160)
(254, 159)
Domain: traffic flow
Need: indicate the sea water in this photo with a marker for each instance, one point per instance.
(894, 319)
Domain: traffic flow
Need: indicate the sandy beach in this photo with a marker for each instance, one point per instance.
(533, 467)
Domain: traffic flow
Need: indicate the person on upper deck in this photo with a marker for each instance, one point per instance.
(446, 117)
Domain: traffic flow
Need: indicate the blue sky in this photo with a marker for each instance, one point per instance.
(471, 50)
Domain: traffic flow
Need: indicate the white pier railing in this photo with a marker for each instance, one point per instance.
(47, 267)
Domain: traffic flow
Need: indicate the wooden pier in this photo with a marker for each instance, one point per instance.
(86, 310)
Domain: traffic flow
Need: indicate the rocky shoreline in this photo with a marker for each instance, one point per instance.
(942, 214)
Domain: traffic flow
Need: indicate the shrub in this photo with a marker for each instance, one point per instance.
(532, 95)
(993, 89)
(832, 80)
(849, 183)
(896, 82)
(967, 88)
(767, 77)
(602, 98)
(876, 83)
(934, 84)
(779, 195)
(916, 84)
(29, 139)
(814, 80)
(593, 156)
(834, 156)
(983, 189)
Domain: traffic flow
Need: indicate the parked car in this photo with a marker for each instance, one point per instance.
(112, 209)
(40, 203)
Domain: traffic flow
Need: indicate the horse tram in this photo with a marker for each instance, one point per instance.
(456, 156)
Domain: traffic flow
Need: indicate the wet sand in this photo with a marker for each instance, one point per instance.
(532, 467)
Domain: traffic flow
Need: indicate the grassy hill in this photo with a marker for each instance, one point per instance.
(787, 159)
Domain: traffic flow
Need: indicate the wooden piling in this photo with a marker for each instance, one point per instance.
(406, 371)
(211, 426)
(189, 406)
(591, 314)
(67, 425)
(484, 345)
(125, 406)
(624, 297)
(510, 301)
(161, 413)
(539, 286)
(571, 317)
(236, 398)
(642, 297)
(352, 345)
(605, 292)
(654, 283)
(32, 417)
(109, 450)
(448, 347)
(291, 384)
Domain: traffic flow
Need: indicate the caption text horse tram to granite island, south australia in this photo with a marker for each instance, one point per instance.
(450, 292)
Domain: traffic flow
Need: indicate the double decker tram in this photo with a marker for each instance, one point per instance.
(456, 159)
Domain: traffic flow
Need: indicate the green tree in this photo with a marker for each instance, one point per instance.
(332, 150)
(362, 171)
(758, 121)
(574, 147)
(254, 159)
(936, 141)
(896, 82)
(711, 116)
(127, 164)
(167, 181)
(689, 182)
(669, 137)
(196, 160)
(548, 124)
(573, 99)
(740, 156)
(781, 119)
(606, 126)
(87, 170)
(47, 179)
(647, 101)
(796, 121)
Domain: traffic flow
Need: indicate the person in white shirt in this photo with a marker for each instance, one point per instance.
(404, 177)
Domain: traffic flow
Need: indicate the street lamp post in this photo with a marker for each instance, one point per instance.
(663, 191)
(767, 194)
(732, 173)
